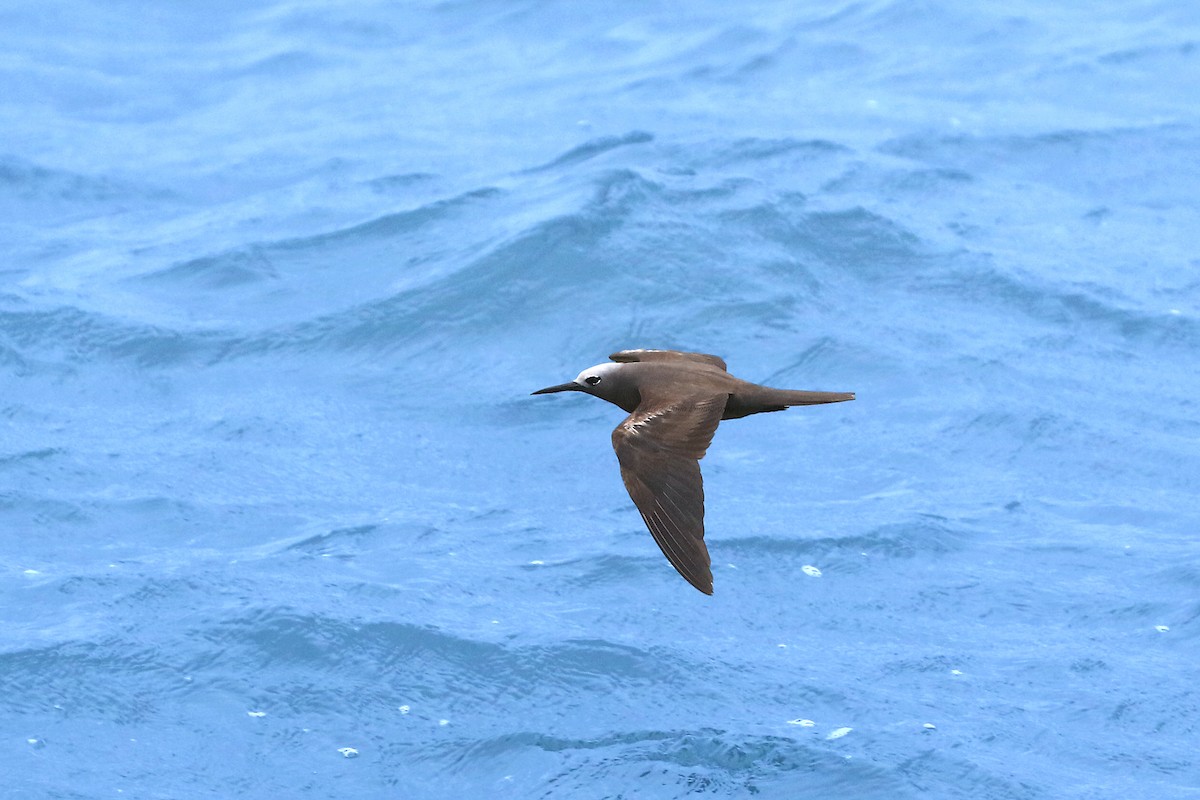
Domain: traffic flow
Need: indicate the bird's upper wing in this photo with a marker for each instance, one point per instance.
(667, 355)
(659, 447)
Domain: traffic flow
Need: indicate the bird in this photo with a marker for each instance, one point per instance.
(675, 400)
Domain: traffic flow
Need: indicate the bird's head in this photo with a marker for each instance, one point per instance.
(606, 381)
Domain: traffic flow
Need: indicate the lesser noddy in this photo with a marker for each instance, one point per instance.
(675, 401)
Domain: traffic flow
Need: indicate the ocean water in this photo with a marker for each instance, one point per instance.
(279, 519)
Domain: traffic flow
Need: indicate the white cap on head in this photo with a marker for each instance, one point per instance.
(597, 374)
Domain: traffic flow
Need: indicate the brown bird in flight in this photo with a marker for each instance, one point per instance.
(675, 401)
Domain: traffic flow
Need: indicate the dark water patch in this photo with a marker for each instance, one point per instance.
(594, 147)
(423, 660)
(933, 664)
(734, 754)
(777, 313)
(808, 163)
(1098, 162)
(1173, 53)
(627, 247)
(390, 226)
(757, 65)
(1098, 513)
(29, 190)
(727, 764)
(1010, 434)
(168, 591)
(925, 535)
(220, 272)
(277, 637)
(1185, 574)
(1085, 666)
(937, 767)
(860, 239)
(754, 149)
(150, 346)
(705, 761)
(1140, 613)
(29, 457)
(91, 587)
(75, 336)
(335, 540)
(378, 240)
(1068, 305)
(911, 26)
(112, 679)
(608, 570)
(12, 362)
(386, 184)
(40, 510)
(508, 744)
(548, 264)
(893, 183)
(853, 240)
(827, 355)
(289, 65)
(696, 193)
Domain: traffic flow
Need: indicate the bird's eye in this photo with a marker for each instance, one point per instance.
(592, 380)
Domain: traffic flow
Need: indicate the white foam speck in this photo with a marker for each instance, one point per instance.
(782, 645)
(32, 572)
(732, 566)
(1176, 311)
(495, 622)
(443, 722)
(1162, 628)
(537, 563)
(803, 723)
(929, 726)
(956, 672)
(404, 709)
(348, 752)
(256, 713)
(809, 569)
(839, 733)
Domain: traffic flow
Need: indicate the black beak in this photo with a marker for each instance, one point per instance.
(562, 387)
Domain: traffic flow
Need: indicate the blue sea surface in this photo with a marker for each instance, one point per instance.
(279, 518)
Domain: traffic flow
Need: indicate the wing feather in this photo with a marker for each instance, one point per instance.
(659, 447)
(625, 356)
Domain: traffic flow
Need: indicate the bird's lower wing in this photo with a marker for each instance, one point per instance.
(659, 448)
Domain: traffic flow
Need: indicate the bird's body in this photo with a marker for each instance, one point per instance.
(675, 401)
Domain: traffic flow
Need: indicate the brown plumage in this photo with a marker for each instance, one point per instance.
(675, 401)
